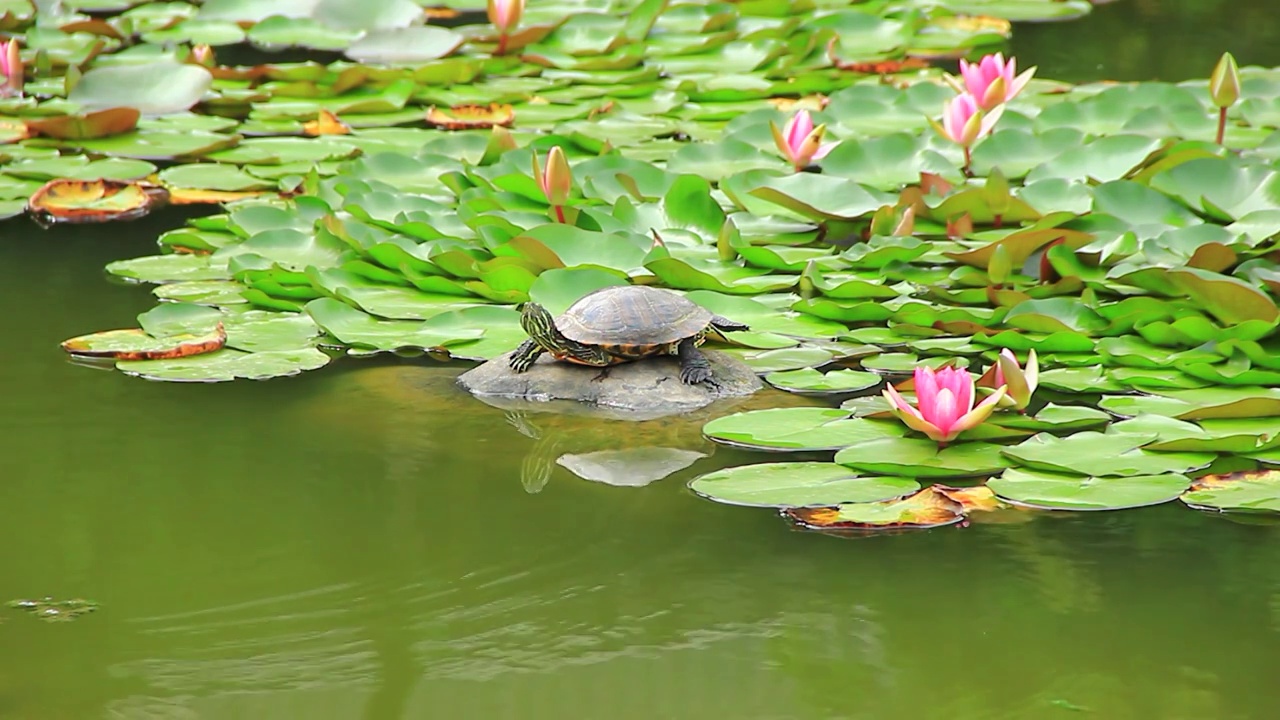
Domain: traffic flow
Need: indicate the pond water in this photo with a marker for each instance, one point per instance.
(369, 542)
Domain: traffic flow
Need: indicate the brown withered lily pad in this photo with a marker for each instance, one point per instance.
(926, 509)
(813, 103)
(977, 498)
(874, 67)
(136, 344)
(101, 123)
(93, 201)
(1253, 491)
(326, 123)
(472, 117)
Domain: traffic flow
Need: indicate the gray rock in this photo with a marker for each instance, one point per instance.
(649, 387)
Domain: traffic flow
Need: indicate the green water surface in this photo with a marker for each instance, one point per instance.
(362, 542)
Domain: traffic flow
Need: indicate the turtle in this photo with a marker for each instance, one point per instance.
(619, 324)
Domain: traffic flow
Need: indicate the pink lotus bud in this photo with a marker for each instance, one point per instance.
(556, 180)
(11, 68)
(800, 142)
(505, 14)
(963, 122)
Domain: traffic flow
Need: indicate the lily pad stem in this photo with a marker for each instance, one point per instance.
(1222, 124)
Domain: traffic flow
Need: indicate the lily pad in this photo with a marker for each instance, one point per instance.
(810, 381)
(797, 484)
(1250, 492)
(797, 429)
(1053, 491)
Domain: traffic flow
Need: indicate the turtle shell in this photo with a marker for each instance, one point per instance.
(632, 315)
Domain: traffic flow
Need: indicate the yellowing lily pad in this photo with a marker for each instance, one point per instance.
(472, 117)
(93, 201)
(1252, 492)
(137, 344)
(925, 509)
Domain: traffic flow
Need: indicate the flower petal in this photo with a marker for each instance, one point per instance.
(976, 416)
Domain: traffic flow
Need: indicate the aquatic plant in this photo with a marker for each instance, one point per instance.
(964, 123)
(992, 81)
(800, 142)
(555, 180)
(11, 68)
(944, 405)
(1020, 382)
(505, 16)
(1224, 89)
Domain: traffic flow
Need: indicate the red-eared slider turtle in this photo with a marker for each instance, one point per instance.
(619, 324)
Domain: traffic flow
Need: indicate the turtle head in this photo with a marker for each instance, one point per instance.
(541, 327)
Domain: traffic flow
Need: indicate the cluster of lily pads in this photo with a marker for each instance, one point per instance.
(1111, 229)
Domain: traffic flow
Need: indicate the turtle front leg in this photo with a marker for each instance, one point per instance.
(695, 369)
(525, 356)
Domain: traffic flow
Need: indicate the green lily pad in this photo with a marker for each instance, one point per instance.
(1052, 491)
(153, 88)
(797, 429)
(914, 457)
(1097, 454)
(810, 381)
(797, 484)
(226, 365)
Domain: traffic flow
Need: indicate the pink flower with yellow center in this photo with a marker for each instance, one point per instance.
(944, 403)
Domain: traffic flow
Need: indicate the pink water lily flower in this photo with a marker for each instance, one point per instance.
(555, 181)
(11, 68)
(800, 142)
(991, 81)
(944, 403)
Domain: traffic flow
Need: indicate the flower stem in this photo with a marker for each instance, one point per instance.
(1222, 124)
(560, 213)
(502, 45)
(968, 160)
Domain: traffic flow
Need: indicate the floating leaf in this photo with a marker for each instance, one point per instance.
(92, 201)
(797, 484)
(137, 344)
(926, 509)
(795, 429)
(808, 380)
(1098, 454)
(1250, 492)
(1051, 491)
(154, 88)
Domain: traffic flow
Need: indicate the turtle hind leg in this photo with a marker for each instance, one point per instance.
(525, 356)
(695, 369)
(723, 325)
